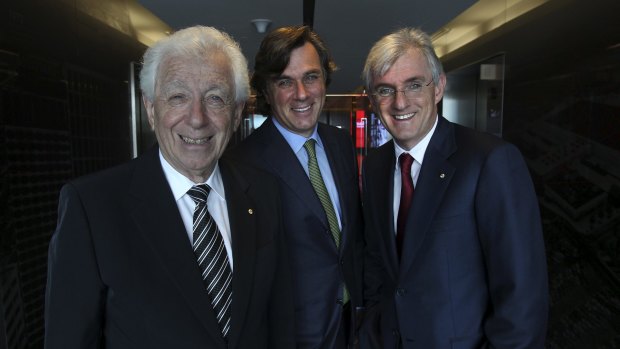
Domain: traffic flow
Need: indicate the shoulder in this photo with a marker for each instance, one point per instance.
(483, 143)
(333, 132)
(104, 179)
(485, 149)
(380, 154)
(253, 144)
(118, 178)
(233, 169)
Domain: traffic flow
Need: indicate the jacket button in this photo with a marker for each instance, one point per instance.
(401, 292)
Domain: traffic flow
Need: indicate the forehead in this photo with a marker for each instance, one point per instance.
(411, 65)
(302, 59)
(212, 68)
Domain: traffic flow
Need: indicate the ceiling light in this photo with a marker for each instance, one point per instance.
(261, 24)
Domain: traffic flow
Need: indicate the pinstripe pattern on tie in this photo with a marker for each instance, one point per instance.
(316, 179)
(212, 257)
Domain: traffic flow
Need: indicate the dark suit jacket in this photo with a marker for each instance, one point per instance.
(473, 270)
(318, 268)
(122, 273)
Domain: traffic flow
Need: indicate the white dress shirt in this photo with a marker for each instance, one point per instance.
(418, 155)
(216, 202)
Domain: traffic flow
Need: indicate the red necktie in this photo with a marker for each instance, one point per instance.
(406, 195)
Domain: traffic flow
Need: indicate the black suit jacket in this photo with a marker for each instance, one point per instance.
(473, 271)
(318, 268)
(122, 273)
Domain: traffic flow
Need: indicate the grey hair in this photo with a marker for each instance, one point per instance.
(391, 47)
(195, 41)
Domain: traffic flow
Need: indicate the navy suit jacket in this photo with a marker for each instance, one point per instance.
(122, 273)
(318, 268)
(473, 270)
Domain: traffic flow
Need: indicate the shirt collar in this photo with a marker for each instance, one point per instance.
(181, 184)
(295, 141)
(419, 149)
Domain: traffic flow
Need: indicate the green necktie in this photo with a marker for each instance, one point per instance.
(319, 187)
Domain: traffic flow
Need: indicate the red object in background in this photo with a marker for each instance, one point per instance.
(360, 129)
(360, 140)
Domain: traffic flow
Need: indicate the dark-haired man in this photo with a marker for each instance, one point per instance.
(317, 172)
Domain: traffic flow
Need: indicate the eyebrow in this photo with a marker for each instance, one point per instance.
(311, 71)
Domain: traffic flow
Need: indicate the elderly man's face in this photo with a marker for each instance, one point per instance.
(193, 113)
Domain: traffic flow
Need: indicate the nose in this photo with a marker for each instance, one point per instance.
(400, 100)
(198, 116)
(300, 91)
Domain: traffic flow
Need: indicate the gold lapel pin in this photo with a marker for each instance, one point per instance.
(250, 211)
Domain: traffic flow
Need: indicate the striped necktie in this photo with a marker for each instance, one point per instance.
(212, 257)
(321, 191)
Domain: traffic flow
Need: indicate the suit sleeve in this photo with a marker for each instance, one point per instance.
(75, 294)
(511, 235)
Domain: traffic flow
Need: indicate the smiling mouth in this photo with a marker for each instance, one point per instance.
(404, 116)
(195, 141)
(301, 110)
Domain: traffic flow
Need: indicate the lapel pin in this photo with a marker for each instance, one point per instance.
(250, 211)
(442, 176)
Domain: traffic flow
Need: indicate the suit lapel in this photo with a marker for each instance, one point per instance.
(158, 220)
(243, 232)
(278, 155)
(435, 176)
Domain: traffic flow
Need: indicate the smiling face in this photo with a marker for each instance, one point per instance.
(193, 113)
(409, 119)
(298, 94)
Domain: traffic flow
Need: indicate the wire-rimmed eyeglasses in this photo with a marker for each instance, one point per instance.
(385, 95)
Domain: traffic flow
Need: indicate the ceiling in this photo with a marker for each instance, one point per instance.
(349, 27)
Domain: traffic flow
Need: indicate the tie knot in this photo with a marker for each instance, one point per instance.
(199, 193)
(309, 146)
(405, 160)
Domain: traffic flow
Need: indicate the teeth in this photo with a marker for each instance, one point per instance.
(195, 141)
(301, 109)
(403, 117)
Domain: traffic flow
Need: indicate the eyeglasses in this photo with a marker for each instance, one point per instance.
(386, 95)
(310, 80)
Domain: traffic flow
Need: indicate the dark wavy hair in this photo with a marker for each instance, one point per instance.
(274, 55)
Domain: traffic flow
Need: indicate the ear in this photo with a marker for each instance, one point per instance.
(237, 114)
(150, 111)
(440, 86)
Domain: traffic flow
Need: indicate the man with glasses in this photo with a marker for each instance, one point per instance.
(455, 253)
(316, 167)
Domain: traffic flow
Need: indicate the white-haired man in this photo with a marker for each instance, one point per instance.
(175, 249)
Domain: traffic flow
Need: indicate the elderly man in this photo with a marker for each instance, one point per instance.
(318, 178)
(174, 249)
(455, 246)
